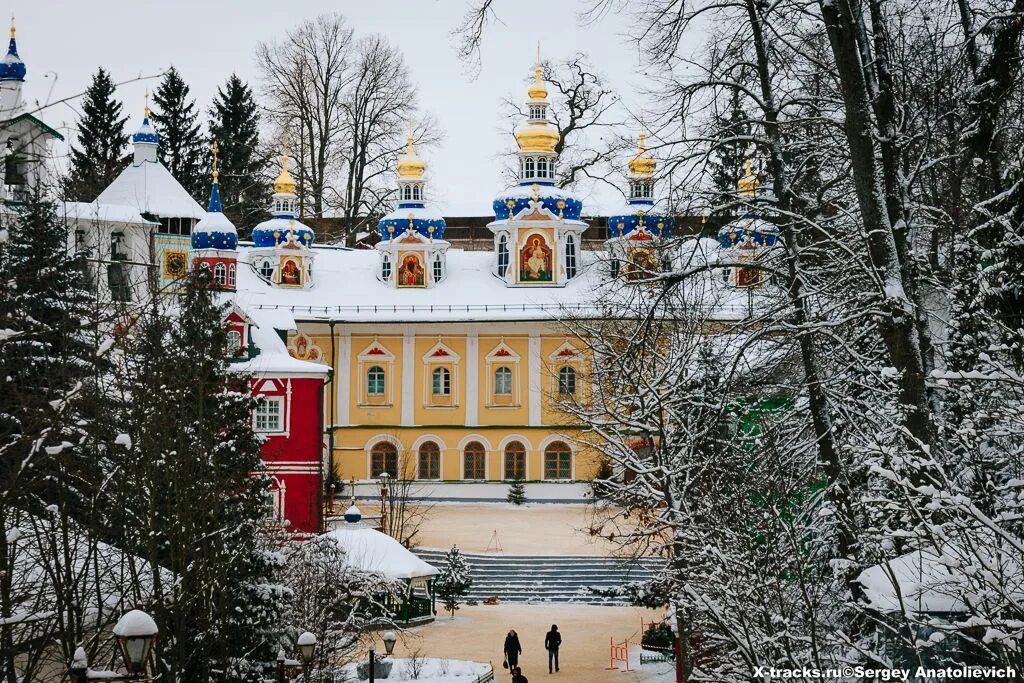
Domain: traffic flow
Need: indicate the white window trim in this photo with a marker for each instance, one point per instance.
(491, 363)
(364, 361)
(280, 401)
(451, 361)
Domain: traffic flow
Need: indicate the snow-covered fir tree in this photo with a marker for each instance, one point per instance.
(235, 125)
(99, 153)
(454, 581)
(182, 147)
(516, 492)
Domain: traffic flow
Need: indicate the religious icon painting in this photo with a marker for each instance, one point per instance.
(411, 272)
(536, 257)
(291, 271)
(175, 265)
(641, 263)
(302, 347)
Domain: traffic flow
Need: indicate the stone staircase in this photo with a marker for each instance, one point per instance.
(544, 579)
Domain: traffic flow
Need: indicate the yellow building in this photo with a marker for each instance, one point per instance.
(452, 365)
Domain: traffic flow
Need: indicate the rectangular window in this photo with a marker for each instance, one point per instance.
(441, 384)
(269, 415)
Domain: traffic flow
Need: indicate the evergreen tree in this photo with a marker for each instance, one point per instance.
(100, 152)
(729, 156)
(181, 143)
(196, 507)
(516, 492)
(453, 582)
(234, 124)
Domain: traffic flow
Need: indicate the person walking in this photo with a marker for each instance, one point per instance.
(517, 676)
(512, 650)
(553, 641)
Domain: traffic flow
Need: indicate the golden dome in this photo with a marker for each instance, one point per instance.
(641, 164)
(537, 136)
(749, 183)
(410, 166)
(284, 184)
(538, 91)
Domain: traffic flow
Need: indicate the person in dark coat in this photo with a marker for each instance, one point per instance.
(553, 641)
(512, 649)
(517, 676)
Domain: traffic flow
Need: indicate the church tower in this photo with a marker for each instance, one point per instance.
(215, 240)
(750, 237)
(637, 231)
(537, 227)
(412, 248)
(282, 252)
(12, 78)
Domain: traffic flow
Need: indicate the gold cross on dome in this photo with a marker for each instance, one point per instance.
(216, 149)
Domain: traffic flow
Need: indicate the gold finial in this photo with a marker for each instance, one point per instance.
(749, 184)
(216, 149)
(537, 91)
(145, 107)
(538, 48)
(13, 30)
(284, 184)
(642, 164)
(410, 165)
(408, 145)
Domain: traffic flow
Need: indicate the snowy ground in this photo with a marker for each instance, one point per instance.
(477, 634)
(533, 529)
(427, 670)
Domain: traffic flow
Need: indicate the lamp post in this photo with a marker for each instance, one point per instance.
(135, 633)
(307, 651)
(384, 480)
(389, 639)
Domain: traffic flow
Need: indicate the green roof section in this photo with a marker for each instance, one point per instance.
(37, 122)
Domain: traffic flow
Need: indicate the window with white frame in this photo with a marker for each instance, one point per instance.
(231, 275)
(375, 381)
(567, 381)
(220, 274)
(570, 257)
(385, 268)
(529, 167)
(503, 255)
(234, 342)
(542, 167)
(438, 268)
(269, 415)
(503, 381)
(266, 268)
(441, 382)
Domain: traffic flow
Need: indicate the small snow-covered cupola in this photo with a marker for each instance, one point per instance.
(638, 229)
(537, 228)
(749, 238)
(215, 240)
(412, 249)
(283, 246)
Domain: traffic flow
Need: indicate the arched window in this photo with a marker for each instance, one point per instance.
(529, 167)
(417, 193)
(536, 112)
(375, 381)
(474, 461)
(220, 274)
(567, 381)
(503, 381)
(551, 169)
(385, 268)
(515, 460)
(266, 267)
(438, 268)
(570, 257)
(502, 255)
(383, 458)
(441, 382)
(231, 275)
(542, 168)
(234, 342)
(557, 461)
(429, 461)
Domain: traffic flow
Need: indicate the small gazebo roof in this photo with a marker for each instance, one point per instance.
(371, 551)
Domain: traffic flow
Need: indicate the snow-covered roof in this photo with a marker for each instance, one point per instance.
(150, 188)
(371, 551)
(102, 213)
(427, 213)
(274, 358)
(346, 289)
(936, 582)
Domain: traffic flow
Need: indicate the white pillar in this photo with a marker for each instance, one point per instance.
(408, 378)
(533, 372)
(472, 378)
(343, 379)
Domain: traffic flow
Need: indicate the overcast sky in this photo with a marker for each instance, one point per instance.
(208, 39)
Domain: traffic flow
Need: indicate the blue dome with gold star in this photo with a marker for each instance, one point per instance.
(216, 231)
(554, 199)
(277, 230)
(12, 68)
(640, 215)
(758, 231)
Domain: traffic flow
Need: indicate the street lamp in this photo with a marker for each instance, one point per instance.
(389, 639)
(384, 479)
(307, 648)
(136, 635)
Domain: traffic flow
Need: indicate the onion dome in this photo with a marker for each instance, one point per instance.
(748, 230)
(283, 223)
(12, 68)
(215, 231)
(412, 214)
(146, 133)
(353, 515)
(640, 213)
(555, 200)
(539, 135)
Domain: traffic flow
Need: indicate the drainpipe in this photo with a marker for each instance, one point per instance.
(330, 427)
